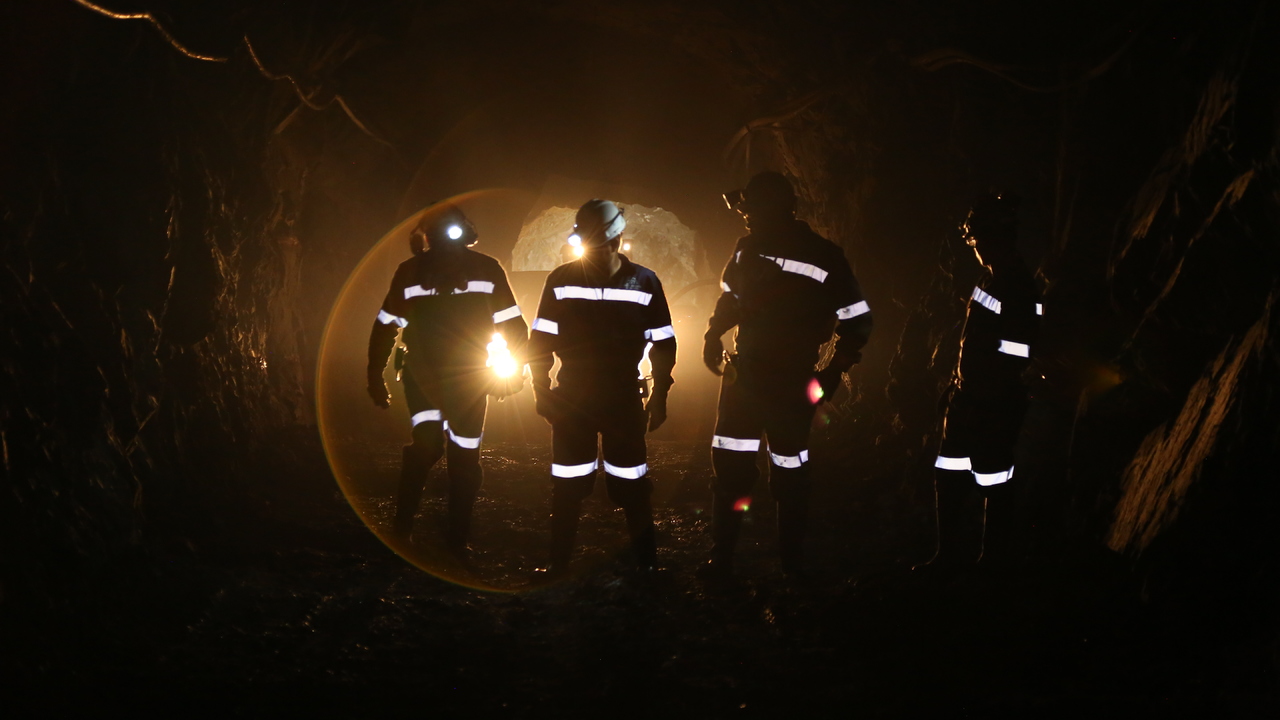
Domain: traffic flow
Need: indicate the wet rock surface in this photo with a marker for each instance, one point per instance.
(309, 613)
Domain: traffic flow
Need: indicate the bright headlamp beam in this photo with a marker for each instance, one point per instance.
(575, 240)
(454, 232)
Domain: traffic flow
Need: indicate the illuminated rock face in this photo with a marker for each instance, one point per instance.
(658, 240)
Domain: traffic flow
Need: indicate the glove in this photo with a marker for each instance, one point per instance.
(830, 378)
(378, 390)
(546, 404)
(657, 408)
(713, 353)
(505, 387)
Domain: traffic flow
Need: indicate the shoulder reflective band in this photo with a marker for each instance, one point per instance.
(950, 463)
(738, 444)
(989, 479)
(1008, 347)
(387, 318)
(574, 471)
(473, 286)
(426, 416)
(635, 472)
(789, 461)
(1039, 309)
(662, 333)
(725, 287)
(462, 442)
(859, 308)
(550, 327)
(986, 300)
(575, 292)
(799, 268)
(510, 313)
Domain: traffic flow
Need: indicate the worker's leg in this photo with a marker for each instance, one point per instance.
(418, 457)
(734, 448)
(954, 488)
(573, 472)
(464, 429)
(622, 444)
(787, 414)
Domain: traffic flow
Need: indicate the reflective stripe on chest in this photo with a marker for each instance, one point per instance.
(473, 286)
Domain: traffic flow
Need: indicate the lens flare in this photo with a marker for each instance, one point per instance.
(579, 251)
(815, 391)
(743, 504)
(500, 359)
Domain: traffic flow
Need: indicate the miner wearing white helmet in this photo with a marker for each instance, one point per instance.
(463, 334)
(597, 314)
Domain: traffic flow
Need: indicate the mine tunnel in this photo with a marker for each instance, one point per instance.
(203, 206)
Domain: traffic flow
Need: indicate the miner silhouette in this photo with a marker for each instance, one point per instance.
(785, 288)
(987, 398)
(462, 333)
(598, 313)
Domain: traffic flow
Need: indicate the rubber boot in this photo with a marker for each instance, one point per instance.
(726, 525)
(564, 528)
(997, 527)
(458, 531)
(952, 489)
(643, 541)
(792, 516)
(413, 476)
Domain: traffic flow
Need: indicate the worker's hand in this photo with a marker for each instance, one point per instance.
(505, 387)
(713, 354)
(830, 378)
(657, 408)
(546, 404)
(378, 390)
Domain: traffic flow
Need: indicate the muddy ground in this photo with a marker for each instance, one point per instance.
(309, 614)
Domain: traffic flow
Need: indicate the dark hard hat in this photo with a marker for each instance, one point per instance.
(993, 216)
(598, 222)
(769, 191)
(443, 227)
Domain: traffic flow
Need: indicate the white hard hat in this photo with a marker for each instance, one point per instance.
(598, 222)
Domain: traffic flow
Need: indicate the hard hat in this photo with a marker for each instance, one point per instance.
(447, 227)
(767, 192)
(597, 222)
(993, 217)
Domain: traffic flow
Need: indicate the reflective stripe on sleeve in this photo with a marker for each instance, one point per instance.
(550, 327)
(859, 308)
(462, 442)
(986, 300)
(510, 313)
(809, 270)
(426, 416)
(725, 287)
(1039, 309)
(577, 292)
(789, 461)
(387, 318)
(416, 290)
(662, 333)
(574, 471)
(738, 444)
(989, 479)
(950, 463)
(1010, 347)
(635, 472)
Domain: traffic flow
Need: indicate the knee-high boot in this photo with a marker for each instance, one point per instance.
(640, 527)
(952, 490)
(792, 519)
(726, 525)
(997, 525)
(414, 467)
(564, 528)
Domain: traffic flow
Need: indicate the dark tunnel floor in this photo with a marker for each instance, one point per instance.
(315, 616)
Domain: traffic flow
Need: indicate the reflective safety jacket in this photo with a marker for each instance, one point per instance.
(786, 290)
(450, 303)
(1000, 330)
(600, 328)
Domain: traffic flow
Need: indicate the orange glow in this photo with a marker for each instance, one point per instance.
(500, 359)
(743, 504)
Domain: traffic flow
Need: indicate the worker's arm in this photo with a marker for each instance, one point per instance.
(544, 338)
(507, 319)
(382, 339)
(727, 314)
